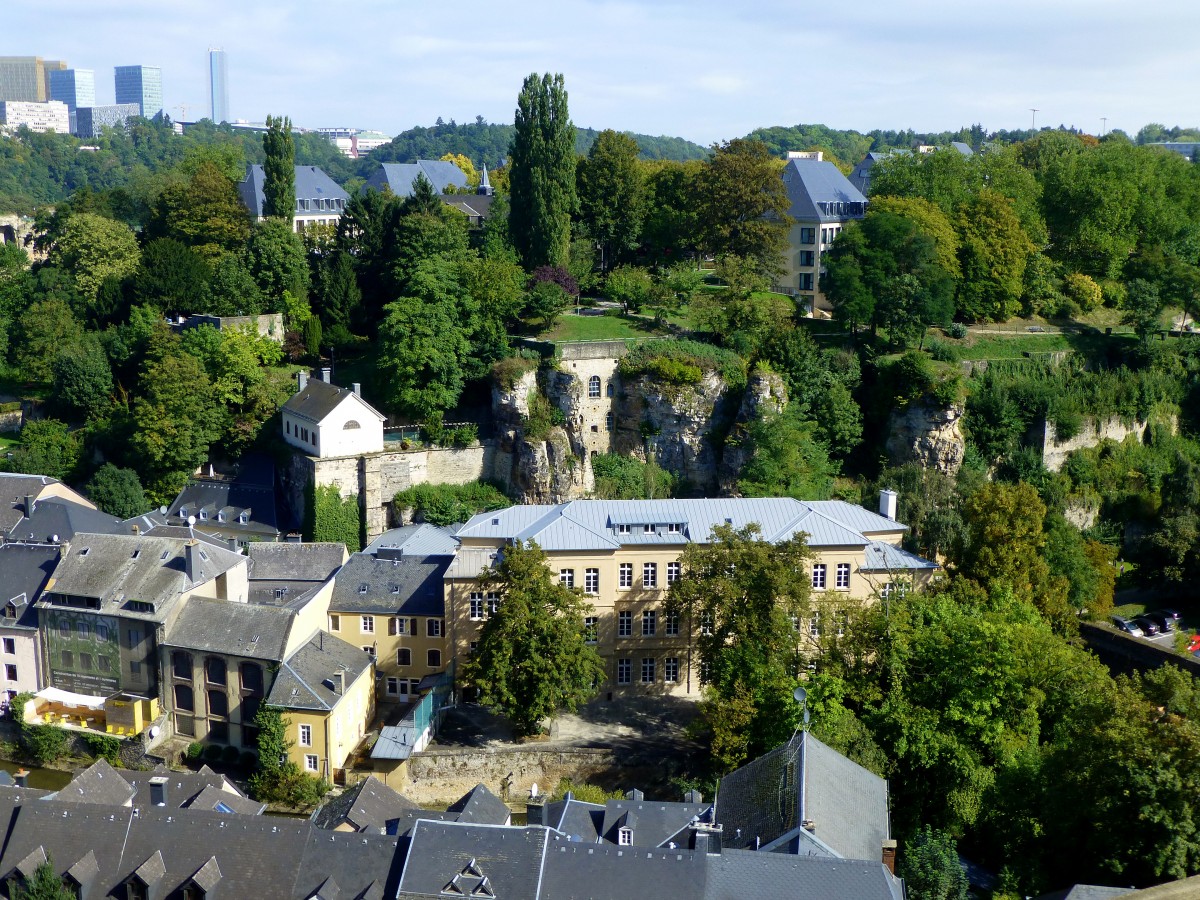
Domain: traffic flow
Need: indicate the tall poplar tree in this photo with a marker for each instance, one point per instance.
(542, 179)
(279, 185)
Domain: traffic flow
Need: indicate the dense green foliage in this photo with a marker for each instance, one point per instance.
(447, 504)
(276, 778)
(532, 660)
(628, 478)
(279, 170)
(335, 518)
(44, 885)
(117, 491)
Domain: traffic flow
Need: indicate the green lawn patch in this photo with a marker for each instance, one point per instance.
(600, 328)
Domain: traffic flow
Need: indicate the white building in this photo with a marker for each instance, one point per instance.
(52, 116)
(325, 421)
(319, 199)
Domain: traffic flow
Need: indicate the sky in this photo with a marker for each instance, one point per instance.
(706, 70)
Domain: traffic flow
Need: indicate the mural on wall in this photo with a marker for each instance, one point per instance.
(84, 651)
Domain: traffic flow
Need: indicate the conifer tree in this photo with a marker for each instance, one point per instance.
(279, 184)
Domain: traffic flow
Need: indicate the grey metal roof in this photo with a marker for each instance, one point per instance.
(481, 806)
(414, 540)
(813, 184)
(216, 799)
(593, 524)
(311, 184)
(964, 149)
(399, 177)
(445, 853)
(319, 399)
(116, 569)
(314, 562)
(653, 823)
(220, 504)
(409, 585)
(57, 519)
(304, 681)
(14, 488)
(881, 557)
(366, 806)
(395, 742)
(475, 205)
(247, 630)
(768, 799)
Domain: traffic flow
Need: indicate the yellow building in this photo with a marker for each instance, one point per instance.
(623, 555)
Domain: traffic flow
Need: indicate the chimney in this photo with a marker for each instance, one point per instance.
(635, 795)
(325, 373)
(357, 388)
(191, 560)
(22, 778)
(233, 544)
(301, 380)
(705, 838)
(889, 855)
(693, 796)
(158, 790)
(535, 809)
(887, 504)
(29, 506)
(339, 682)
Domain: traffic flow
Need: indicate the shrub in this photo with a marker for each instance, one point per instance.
(101, 746)
(584, 792)
(542, 417)
(628, 478)
(231, 756)
(195, 750)
(957, 330)
(212, 753)
(508, 371)
(1083, 291)
(942, 351)
(43, 743)
(678, 361)
(445, 504)
(335, 518)
(249, 760)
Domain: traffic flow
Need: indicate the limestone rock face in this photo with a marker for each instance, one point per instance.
(766, 395)
(928, 434)
(510, 407)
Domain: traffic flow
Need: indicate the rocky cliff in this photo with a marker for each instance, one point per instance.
(766, 395)
(929, 434)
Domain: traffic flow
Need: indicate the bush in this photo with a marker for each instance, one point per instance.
(195, 750)
(957, 330)
(628, 478)
(101, 746)
(231, 756)
(542, 417)
(249, 760)
(43, 743)
(1083, 291)
(508, 371)
(445, 504)
(212, 753)
(584, 792)
(683, 362)
(942, 351)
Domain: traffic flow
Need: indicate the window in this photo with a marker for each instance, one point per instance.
(671, 624)
(609, 390)
(566, 577)
(647, 529)
(85, 662)
(335, 623)
(134, 635)
(673, 570)
(591, 625)
(367, 624)
(473, 646)
(706, 623)
(594, 387)
(135, 890)
(305, 738)
(591, 581)
(626, 575)
(214, 670)
(647, 670)
(135, 667)
(433, 627)
(808, 235)
(842, 619)
(64, 629)
(252, 678)
(493, 604)
(625, 624)
(68, 659)
(404, 657)
(622, 529)
(433, 659)
(414, 686)
(671, 670)
(403, 685)
(650, 575)
(395, 625)
(10, 672)
(649, 622)
(184, 700)
(674, 528)
(350, 426)
(369, 649)
(218, 704)
(608, 421)
(625, 837)
(814, 626)
(807, 258)
(105, 663)
(818, 576)
(393, 686)
(181, 664)
(476, 606)
(842, 581)
(310, 762)
(624, 671)
(805, 282)
(83, 630)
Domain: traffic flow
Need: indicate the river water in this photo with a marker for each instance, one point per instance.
(43, 779)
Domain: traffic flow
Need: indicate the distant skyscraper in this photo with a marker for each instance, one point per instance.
(26, 78)
(218, 85)
(141, 85)
(74, 87)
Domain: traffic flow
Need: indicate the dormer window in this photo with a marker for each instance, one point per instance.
(183, 512)
(674, 528)
(625, 837)
(362, 588)
(647, 529)
(204, 514)
(85, 551)
(622, 529)
(243, 518)
(220, 517)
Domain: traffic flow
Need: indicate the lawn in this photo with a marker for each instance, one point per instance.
(7, 442)
(571, 327)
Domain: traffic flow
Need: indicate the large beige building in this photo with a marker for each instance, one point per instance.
(623, 556)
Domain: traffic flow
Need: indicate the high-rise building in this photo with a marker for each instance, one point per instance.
(218, 84)
(90, 121)
(74, 87)
(141, 85)
(52, 116)
(27, 77)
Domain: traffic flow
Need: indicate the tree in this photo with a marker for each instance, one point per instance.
(45, 329)
(93, 248)
(279, 170)
(743, 205)
(631, 286)
(786, 459)
(1142, 308)
(172, 277)
(546, 301)
(46, 448)
(542, 180)
(468, 168)
(44, 885)
(612, 195)
(276, 778)
(337, 297)
(533, 659)
(204, 212)
(117, 491)
(930, 868)
(420, 361)
(83, 381)
(994, 250)
(276, 259)
(740, 596)
(232, 290)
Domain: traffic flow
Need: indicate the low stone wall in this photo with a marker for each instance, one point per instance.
(11, 421)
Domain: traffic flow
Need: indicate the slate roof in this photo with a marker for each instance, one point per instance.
(311, 184)
(57, 519)
(315, 562)
(473, 205)
(964, 149)
(593, 524)
(24, 571)
(606, 872)
(813, 184)
(768, 799)
(304, 679)
(1086, 892)
(881, 557)
(576, 819)
(98, 783)
(653, 823)
(399, 177)
(409, 585)
(861, 176)
(445, 853)
(14, 488)
(319, 399)
(366, 806)
(414, 540)
(220, 504)
(737, 874)
(235, 629)
(116, 569)
(480, 805)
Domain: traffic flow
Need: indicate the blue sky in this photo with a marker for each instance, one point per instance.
(705, 69)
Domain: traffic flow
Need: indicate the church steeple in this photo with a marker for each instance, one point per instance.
(485, 188)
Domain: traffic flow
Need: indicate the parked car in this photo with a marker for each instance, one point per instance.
(1149, 626)
(1164, 622)
(1126, 626)
(1194, 644)
(1172, 615)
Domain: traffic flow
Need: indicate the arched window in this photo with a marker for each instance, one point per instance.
(252, 678)
(183, 698)
(214, 670)
(609, 390)
(594, 386)
(218, 704)
(181, 664)
(349, 426)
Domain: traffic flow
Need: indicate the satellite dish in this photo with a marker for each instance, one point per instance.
(191, 521)
(800, 695)
(533, 792)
